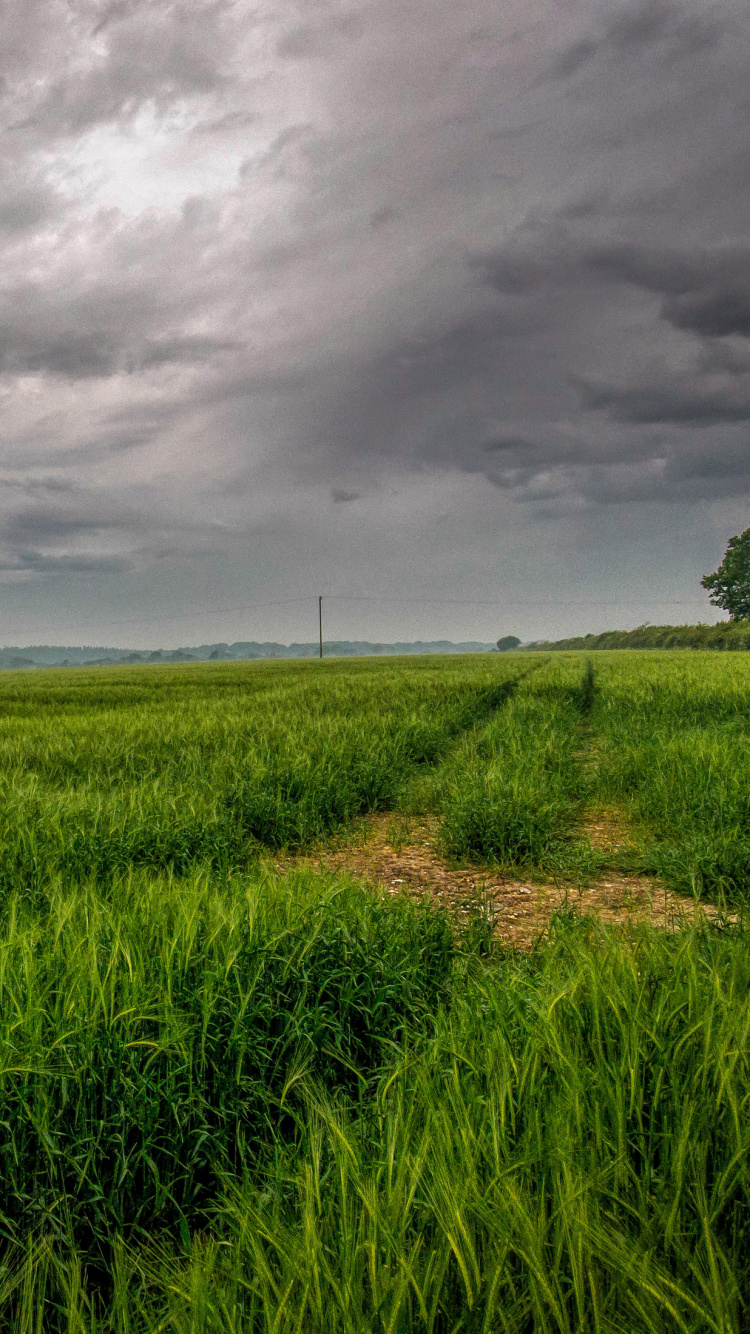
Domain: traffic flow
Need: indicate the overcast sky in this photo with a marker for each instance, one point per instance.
(411, 299)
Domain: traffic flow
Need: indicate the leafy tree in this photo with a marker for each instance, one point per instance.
(508, 643)
(729, 586)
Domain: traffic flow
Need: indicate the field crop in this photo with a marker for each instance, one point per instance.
(674, 747)
(175, 768)
(511, 792)
(239, 1102)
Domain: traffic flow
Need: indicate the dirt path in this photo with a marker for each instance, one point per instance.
(399, 854)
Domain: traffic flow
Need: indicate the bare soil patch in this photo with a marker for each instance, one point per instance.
(399, 855)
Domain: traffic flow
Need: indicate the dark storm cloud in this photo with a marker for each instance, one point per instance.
(704, 292)
(262, 261)
(714, 313)
(682, 403)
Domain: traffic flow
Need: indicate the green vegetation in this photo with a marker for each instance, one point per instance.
(238, 1102)
(173, 768)
(151, 1035)
(729, 586)
(728, 635)
(674, 748)
(512, 791)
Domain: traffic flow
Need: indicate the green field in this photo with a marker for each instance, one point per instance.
(234, 1100)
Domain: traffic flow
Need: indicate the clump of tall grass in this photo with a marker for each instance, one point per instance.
(151, 1035)
(566, 1150)
(569, 1153)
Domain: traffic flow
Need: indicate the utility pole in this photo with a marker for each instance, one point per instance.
(320, 625)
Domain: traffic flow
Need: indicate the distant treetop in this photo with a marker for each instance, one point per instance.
(508, 643)
(729, 586)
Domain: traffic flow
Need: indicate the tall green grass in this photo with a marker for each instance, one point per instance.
(236, 1102)
(150, 1037)
(662, 737)
(565, 1148)
(99, 772)
(510, 793)
(673, 740)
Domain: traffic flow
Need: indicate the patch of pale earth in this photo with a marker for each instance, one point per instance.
(608, 831)
(399, 855)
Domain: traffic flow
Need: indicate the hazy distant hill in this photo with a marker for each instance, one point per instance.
(727, 635)
(54, 655)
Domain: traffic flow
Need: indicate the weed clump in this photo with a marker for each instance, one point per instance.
(153, 1036)
(560, 1147)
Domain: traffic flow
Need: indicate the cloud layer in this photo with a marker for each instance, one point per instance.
(426, 300)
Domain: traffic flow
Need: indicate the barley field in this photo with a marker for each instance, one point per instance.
(247, 1100)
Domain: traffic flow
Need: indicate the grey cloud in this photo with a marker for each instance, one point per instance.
(150, 50)
(383, 215)
(570, 61)
(516, 270)
(726, 463)
(533, 470)
(340, 497)
(660, 26)
(227, 121)
(713, 314)
(75, 354)
(34, 484)
(48, 525)
(669, 470)
(656, 270)
(661, 21)
(512, 444)
(123, 441)
(586, 206)
(722, 357)
(69, 353)
(314, 39)
(38, 562)
(26, 206)
(680, 403)
(158, 351)
(281, 153)
(471, 345)
(706, 292)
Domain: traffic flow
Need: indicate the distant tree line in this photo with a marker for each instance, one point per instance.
(727, 635)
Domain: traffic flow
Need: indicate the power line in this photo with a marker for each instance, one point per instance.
(520, 602)
(497, 604)
(214, 611)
